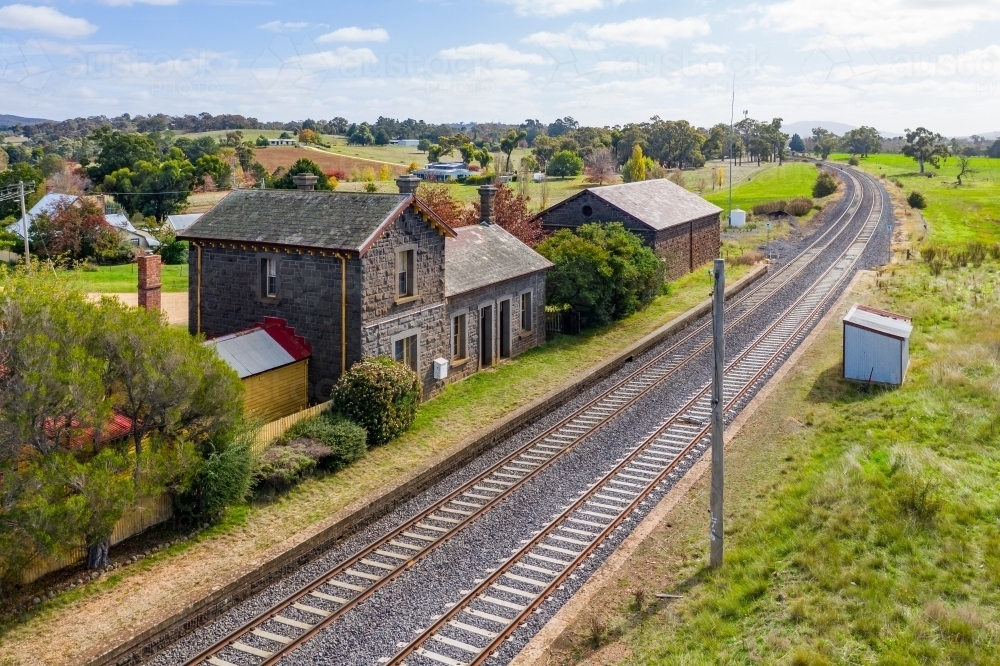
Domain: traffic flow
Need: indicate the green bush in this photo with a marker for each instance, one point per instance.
(770, 207)
(916, 200)
(222, 478)
(799, 206)
(853, 161)
(603, 271)
(379, 395)
(282, 466)
(343, 442)
(481, 179)
(825, 185)
(563, 164)
(173, 253)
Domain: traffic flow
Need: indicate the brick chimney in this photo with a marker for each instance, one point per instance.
(408, 183)
(149, 281)
(486, 196)
(305, 181)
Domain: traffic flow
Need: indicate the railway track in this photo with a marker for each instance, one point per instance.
(472, 629)
(289, 623)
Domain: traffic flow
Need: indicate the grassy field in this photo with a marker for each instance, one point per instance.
(788, 181)
(870, 534)
(124, 279)
(954, 214)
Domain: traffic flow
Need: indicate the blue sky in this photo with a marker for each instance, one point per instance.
(889, 63)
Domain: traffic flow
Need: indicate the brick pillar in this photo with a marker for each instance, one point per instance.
(149, 281)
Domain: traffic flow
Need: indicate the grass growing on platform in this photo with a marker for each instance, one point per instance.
(955, 214)
(125, 279)
(870, 534)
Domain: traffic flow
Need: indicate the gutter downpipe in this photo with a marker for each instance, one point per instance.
(198, 298)
(343, 314)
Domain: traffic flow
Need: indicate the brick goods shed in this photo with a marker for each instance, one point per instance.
(876, 345)
(273, 363)
(682, 227)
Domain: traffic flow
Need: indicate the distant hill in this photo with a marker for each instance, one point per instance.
(7, 121)
(804, 128)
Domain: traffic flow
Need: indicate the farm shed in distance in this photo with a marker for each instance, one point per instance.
(876, 345)
(273, 363)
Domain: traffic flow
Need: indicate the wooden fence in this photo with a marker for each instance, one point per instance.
(150, 511)
(276, 429)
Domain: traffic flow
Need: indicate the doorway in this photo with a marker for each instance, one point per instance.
(505, 329)
(486, 336)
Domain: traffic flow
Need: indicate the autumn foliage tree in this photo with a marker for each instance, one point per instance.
(509, 208)
(77, 230)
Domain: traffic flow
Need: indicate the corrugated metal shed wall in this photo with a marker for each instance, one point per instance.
(869, 354)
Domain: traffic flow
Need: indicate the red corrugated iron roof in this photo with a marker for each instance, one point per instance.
(118, 427)
(284, 335)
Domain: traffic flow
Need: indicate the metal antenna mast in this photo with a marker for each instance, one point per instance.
(732, 117)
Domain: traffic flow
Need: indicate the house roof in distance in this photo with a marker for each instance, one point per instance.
(314, 219)
(46, 205)
(481, 255)
(658, 203)
(182, 222)
(267, 346)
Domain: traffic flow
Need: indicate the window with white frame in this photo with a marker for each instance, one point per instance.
(405, 351)
(459, 338)
(526, 312)
(268, 277)
(404, 273)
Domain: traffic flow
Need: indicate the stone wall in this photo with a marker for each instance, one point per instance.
(569, 215)
(469, 304)
(386, 315)
(684, 246)
(308, 298)
(689, 245)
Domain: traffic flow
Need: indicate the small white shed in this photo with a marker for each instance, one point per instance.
(876, 345)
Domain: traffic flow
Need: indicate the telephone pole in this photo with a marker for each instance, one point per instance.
(18, 192)
(718, 406)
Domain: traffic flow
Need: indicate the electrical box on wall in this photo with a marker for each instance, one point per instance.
(440, 368)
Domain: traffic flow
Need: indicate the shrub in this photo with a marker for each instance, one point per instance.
(853, 161)
(770, 207)
(745, 258)
(563, 164)
(482, 179)
(825, 185)
(799, 207)
(338, 174)
(282, 466)
(379, 395)
(371, 187)
(173, 253)
(222, 478)
(977, 253)
(916, 200)
(603, 271)
(343, 442)
(898, 183)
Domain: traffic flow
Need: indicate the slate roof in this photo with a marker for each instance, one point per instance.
(483, 255)
(879, 321)
(266, 347)
(326, 220)
(658, 203)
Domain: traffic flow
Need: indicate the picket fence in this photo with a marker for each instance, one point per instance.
(150, 511)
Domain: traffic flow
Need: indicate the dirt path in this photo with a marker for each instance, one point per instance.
(175, 304)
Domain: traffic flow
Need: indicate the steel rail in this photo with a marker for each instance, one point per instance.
(813, 300)
(460, 518)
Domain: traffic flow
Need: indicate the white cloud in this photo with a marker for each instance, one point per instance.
(493, 54)
(129, 3)
(555, 7)
(616, 67)
(354, 34)
(44, 19)
(283, 26)
(648, 31)
(702, 48)
(882, 24)
(562, 40)
(343, 58)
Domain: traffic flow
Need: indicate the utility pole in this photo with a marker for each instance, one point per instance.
(18, 192)
(732, 117)
(24, 224)
(718, 405)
